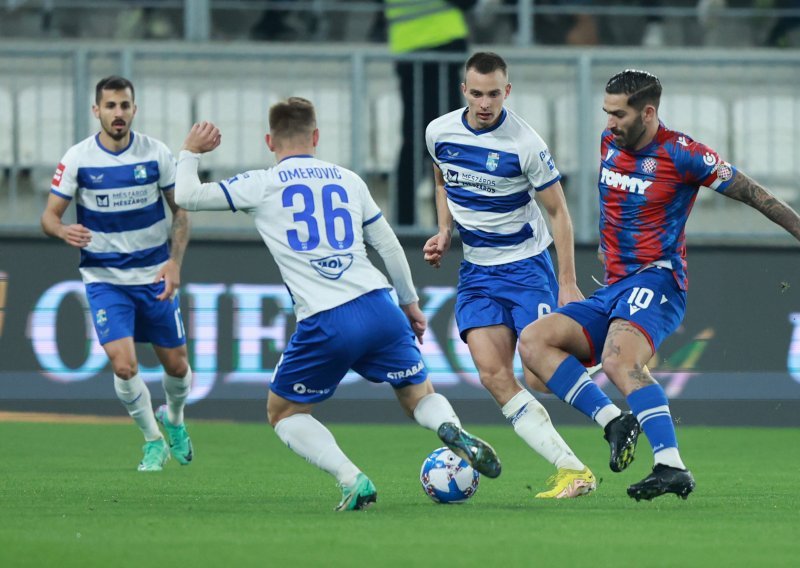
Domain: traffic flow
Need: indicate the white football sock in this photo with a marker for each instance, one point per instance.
(135, 397)
(670, 457)
(607, 414)
(310, 439)
(433, 410)
(177, 389)
(532, 423)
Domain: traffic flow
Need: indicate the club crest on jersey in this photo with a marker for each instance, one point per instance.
(649, 165)
(332, 267)
(140, 173)
(102, 200)
(723, 171)
(492, 161)
(101, 318)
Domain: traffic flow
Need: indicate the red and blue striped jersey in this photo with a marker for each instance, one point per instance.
(645, 200)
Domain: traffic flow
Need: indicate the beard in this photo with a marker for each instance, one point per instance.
(115, 133)
(630, 139)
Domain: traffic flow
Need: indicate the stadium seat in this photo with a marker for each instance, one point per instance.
(566, 134)
(703, 117)
(333, 120)
(164, 113)
(766, 138)
(242, 115)
(6, 129)
(533, 109)
(45, 127)
(385, 132)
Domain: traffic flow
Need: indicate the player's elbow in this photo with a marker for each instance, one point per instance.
(182, 197)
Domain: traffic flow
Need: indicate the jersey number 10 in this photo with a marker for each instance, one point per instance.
(330, 214)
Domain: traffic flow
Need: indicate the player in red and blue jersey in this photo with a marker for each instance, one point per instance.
(648, 181)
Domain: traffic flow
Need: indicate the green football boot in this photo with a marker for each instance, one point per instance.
(156, 454)
(361, 495)
(179, 442)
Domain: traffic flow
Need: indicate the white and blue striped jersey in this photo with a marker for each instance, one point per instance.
(311, 215)
(118, 198)
(490, 177)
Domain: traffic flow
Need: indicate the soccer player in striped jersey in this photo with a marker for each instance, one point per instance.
(130, 260)
(649, 179)
(315, 218)
(490, 170)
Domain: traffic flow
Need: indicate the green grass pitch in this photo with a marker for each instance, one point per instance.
(70, 495)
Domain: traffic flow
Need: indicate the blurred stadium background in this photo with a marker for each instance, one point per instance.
(728, 81)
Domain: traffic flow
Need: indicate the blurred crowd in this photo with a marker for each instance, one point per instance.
(650, 23)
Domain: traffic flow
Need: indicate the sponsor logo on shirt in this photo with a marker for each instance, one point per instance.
(102, 200)
(452, 176)
(627, 183)
(394, 375)
(332, 267)
(58, 175)
(300, 388)
(709, 159)
(492, 161)
(546, 158)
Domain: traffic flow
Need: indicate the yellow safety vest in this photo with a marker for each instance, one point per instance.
(423, 24)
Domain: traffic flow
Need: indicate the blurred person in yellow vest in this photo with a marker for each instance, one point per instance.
(416, 26)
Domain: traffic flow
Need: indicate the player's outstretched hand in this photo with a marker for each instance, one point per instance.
(170, 273)
(569, 293)
(435, 247)
(76, 235)
(202, 138)
(419, 323)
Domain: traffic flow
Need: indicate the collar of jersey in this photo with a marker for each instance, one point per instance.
(107, 151)
(296, 156)
(485, 130)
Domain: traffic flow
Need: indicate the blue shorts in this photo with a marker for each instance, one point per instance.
(513, 294)
(370, 335)
(133, 311)
(650, 300)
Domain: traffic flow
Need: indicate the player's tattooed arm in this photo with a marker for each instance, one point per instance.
(743, 188)
(179, 237)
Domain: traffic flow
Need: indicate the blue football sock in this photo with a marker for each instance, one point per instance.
(572, 384)
(651, 408)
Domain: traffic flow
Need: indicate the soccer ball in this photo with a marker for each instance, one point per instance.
(446, 478)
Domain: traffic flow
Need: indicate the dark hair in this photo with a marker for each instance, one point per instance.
(485, 62)
(112, 83)
(293, 117)
(641, 87)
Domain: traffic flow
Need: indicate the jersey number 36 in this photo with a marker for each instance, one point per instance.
(339, 234)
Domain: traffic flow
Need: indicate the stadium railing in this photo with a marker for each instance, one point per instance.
(743, 104)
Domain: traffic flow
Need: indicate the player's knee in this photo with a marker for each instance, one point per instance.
(494, 380)
(177, 368)
(530, 343)
(125, 370)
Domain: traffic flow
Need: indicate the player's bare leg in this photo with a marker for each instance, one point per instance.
(492, 349)
(135, 397)
(311, 440)
(625, 354)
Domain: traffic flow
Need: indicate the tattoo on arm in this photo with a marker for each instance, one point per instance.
(180, 229)
(745, 189)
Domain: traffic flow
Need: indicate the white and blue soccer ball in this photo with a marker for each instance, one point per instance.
(446, 478)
